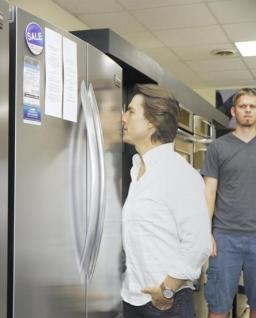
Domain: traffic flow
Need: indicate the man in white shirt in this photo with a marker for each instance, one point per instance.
(166, 228)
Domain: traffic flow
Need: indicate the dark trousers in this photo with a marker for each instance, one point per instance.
(183, 307)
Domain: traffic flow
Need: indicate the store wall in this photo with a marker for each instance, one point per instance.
(207, 93)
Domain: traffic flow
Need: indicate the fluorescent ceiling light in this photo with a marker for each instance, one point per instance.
(247, 48)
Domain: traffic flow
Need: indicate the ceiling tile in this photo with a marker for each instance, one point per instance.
(183, 73)
(199, 51)
(120, 21)
(142, 40)
(228, 75)
(173, 17)
(89, 6)
(144, 4)
(241, 31)
(163, 55)
(254, 73)
(220, 64)
(231, 82)
(250, 61)
(233, 11)
(176, 31)
(191, 36)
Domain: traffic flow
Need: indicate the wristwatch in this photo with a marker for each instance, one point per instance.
(167, 292)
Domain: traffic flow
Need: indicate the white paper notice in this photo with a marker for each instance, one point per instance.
(70, 98)
(53, 73)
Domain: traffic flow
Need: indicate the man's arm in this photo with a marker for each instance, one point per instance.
(158, 299)
(211, 185)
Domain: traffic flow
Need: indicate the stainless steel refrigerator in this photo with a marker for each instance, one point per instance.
(65, 190)
(4, 64)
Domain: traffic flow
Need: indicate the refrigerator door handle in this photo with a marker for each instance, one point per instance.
(78, 188)
(102, 181)
(96, 197)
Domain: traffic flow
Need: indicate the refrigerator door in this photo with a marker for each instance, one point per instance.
(47, 281)
(103, 291)
(4, 109)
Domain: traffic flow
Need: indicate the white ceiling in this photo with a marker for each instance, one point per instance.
(179, 34)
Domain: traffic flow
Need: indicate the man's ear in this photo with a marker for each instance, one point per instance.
(150, 125)
(232, 111)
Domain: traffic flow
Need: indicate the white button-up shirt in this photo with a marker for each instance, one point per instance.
(166, 227)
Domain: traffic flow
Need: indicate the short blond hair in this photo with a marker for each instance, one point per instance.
(242, 92)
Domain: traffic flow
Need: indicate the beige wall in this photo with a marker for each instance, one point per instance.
(207, 93)
(50, 12)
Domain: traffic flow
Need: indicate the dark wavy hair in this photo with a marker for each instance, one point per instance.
(161, 109)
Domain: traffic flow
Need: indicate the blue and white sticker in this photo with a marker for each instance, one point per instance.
(34, 38)
(31, 91)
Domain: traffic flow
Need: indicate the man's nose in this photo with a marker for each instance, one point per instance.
(124, 117)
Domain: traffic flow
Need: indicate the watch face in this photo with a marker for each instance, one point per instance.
(168, 293)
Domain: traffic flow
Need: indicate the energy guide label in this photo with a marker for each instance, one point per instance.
(31, 91)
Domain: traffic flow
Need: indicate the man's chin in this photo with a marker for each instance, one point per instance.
(127, 141)
(248, 124)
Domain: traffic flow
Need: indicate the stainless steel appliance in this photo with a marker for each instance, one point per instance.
(184, 145)
(203, 134)
(4, 74)
(186, 119)
(202, 127)
(65, 189)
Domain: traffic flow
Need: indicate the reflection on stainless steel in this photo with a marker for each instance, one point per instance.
(88, 248)
(103, 292)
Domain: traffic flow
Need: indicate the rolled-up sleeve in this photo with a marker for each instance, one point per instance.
(189, 208)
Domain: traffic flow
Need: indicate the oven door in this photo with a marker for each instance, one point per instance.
(202, 127)
(184, 146)
(185, 119)
(199, 154)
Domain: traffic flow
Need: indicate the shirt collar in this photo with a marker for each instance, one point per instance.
(153, 154)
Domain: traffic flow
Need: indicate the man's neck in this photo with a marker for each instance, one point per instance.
(142, 149)
(245, 133)
(145, 147)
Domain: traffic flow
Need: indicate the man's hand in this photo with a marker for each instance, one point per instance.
(158, 300)
(214, 247)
